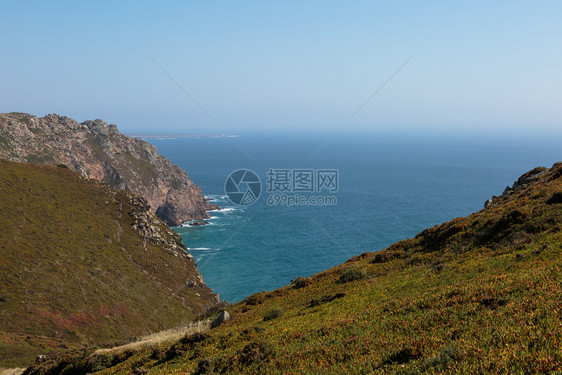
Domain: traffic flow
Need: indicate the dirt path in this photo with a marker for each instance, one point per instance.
(119, 227)
(11, 371)
(174, 334)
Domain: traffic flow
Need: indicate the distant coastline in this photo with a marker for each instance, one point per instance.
(176, 136)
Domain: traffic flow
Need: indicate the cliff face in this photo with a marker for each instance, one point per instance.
(83, 263)
(97, 150)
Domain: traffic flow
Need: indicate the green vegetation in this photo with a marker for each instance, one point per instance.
(4, 140)
(38, 159)
(272, 314)
(24, 118)
(73, 270)
(301, 282)
(352, 275)
(480, 294)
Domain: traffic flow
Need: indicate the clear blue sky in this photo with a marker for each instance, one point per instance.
(478, 65)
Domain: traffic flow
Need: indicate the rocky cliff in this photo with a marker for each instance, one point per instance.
(97, 150)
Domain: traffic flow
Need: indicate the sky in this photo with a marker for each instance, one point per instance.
(255, 66)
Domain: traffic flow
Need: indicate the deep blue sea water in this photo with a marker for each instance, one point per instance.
(390, 188)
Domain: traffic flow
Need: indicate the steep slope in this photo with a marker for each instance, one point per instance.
(481, 294)
(97, 150)
(82, 263)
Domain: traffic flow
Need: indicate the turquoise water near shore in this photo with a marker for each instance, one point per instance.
(390, 188)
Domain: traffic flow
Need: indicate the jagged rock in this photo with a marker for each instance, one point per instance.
(198, 223)
(526, 179)
(223, 317)
(97, 150)
(152, 229)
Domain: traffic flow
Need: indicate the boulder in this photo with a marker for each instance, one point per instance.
(223, 317)
(198, 223)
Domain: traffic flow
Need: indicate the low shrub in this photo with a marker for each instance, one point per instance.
(555, 198)
(254, 352)
(325, 299)
(448, 354)
(402, 356)
(100, 362)
(204, 366)
(352, 275)
(301, 282)
(140, 371)
(272, 314)
(254, 299)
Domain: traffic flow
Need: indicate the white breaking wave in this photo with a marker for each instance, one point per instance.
(190, 224)
(216, 197)
(202, 249)
(228, 209)
(213, 196)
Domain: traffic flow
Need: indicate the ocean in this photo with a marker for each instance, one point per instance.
(374, 189)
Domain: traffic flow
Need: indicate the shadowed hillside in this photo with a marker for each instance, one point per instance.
(82, 263)
(480, 294)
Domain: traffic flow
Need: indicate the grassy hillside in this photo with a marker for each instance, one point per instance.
(74, 270)
(481, 294)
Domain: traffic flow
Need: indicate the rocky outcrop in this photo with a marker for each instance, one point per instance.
(154, 232)
(151, 231)
(525, 180)
(97, 150)
(223, 317)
